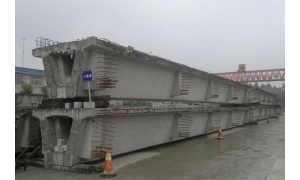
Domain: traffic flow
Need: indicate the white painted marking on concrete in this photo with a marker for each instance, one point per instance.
(132, 158)
(215, 135)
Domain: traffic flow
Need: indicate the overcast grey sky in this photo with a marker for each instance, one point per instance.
(212, 35)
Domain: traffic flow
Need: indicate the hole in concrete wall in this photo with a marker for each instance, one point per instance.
(65, 127)
(68, 64)
(58, 128)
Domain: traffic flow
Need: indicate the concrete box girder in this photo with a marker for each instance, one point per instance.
(138, 77)
(90, 135)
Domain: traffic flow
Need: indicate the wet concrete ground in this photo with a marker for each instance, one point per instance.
(244, 153)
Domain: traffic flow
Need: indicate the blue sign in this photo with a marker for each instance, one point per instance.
(87, 75)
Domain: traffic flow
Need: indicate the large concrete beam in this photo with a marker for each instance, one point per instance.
(88, 136)
(125, 73)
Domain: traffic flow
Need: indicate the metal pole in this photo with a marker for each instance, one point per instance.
(23, 53)
(89, 92)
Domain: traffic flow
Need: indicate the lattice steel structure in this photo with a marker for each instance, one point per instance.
(254, 76)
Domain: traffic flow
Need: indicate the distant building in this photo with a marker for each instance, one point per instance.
(35, 77)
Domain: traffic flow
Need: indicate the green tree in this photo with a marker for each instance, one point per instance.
(44, 91)
(27, 89)
(268, 86)
(256, 85)
(263, 86)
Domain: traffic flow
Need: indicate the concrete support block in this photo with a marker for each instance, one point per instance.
(88, 104)
(61, 142)
(77, 104)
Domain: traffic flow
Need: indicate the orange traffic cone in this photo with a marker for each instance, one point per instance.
(220, 134)
(108, 167)
(268, 120)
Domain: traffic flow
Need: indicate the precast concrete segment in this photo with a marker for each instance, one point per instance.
(73, 136)
(117, 69)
